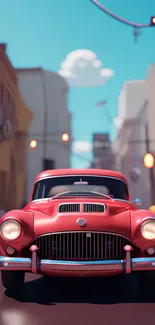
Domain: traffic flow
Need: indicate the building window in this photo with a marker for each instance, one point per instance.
(99, 144)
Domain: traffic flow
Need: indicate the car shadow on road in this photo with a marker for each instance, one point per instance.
(113, 290)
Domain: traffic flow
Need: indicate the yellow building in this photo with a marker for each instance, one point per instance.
(14, 121)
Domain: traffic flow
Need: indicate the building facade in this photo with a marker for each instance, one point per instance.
(46, 93)
(132, 139)
(131, 98)
(103, 156)
(14, 120)
(150, 89)
(130, 148)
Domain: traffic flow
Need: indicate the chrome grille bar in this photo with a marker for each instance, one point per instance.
(69, 207)
(81, 246)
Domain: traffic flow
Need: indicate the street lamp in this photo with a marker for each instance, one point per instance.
(148, 160)
(152, 209)
(65, 137)
(152, 21)
(33, 144)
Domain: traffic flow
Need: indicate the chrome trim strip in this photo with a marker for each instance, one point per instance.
(18, 263)
(122, 200)
(81, 203)
(85, 231)
(15, 259)
(80, 175)
(46, 199)
(99, 262)
(25, 264)
(146, 221)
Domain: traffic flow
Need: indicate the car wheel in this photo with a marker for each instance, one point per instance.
(12, 279)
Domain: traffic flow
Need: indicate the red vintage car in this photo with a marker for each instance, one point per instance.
(79, 222)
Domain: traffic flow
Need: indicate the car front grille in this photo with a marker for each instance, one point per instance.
(69, 207)
(77, 207)
(81, 246)
(93, 207)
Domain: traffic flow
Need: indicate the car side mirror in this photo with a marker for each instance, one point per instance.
(138, 202)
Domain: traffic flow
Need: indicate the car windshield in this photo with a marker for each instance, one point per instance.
(80, 185)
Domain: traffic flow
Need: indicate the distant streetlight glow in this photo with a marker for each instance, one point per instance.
(152, 209)
(148, 160)
(33, 144)
(153, 21)
(65, 137)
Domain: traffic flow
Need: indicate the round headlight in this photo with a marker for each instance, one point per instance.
(148, 229)
(10, 229)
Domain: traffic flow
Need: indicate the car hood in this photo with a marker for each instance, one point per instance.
(116, 218)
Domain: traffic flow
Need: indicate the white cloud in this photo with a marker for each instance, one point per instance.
(81, 146)
(81, 68)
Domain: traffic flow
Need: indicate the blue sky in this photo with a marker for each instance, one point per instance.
(43, 32)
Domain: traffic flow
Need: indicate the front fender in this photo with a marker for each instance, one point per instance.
(26, 220)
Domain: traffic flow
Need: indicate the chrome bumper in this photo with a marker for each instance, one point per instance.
(35, 265)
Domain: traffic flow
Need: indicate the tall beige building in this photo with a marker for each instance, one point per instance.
(46, 93)
(131, 98)
(131, 145)
(130, 148)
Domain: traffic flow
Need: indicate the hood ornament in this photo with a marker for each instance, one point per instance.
(81, 222)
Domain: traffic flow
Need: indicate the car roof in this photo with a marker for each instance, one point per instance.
(72, 171)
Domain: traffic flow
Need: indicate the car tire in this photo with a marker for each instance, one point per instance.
(12, 279)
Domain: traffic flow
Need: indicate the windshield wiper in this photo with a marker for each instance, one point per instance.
(104, 195)
(96, 193)
(59, 194)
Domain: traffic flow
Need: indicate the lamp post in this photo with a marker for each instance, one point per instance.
(33, 144)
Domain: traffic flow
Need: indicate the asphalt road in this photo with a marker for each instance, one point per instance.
(78, 301)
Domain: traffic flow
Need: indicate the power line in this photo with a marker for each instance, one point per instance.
(136, 26)
(65, 146)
